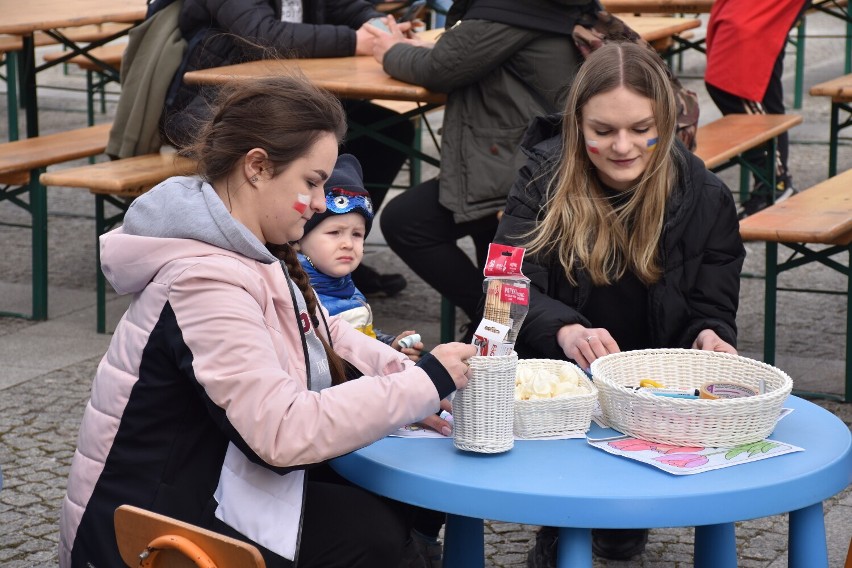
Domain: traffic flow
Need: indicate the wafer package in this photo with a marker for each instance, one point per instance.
(507, 298)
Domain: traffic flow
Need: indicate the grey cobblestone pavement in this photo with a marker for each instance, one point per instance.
(46, 367)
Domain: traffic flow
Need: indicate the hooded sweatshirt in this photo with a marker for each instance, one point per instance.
(215, 357)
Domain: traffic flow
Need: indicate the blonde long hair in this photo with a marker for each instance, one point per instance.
(580, 225)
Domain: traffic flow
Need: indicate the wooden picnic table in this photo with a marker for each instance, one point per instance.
(50, 16)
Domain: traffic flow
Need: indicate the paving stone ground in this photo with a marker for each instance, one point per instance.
(41, 406)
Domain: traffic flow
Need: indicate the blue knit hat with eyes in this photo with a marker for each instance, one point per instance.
(345, 193)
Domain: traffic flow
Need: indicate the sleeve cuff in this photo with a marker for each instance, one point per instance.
(440, 377)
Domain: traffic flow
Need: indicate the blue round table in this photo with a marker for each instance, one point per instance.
(574, 486)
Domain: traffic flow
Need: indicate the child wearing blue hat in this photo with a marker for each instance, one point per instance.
(333, 246)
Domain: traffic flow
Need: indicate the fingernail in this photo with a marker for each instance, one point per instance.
(446, 431)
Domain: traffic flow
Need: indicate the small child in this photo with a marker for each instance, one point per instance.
(333, 246)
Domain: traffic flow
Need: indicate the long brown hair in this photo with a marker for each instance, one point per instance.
(585, 230)
(285, 116)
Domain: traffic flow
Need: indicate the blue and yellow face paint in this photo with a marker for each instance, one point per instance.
(652, 143)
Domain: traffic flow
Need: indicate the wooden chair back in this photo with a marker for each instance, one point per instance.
(151, 540)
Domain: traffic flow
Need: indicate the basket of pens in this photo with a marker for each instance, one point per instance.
(687, 397)
(552, 398)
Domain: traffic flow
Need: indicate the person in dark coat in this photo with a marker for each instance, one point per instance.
(225, 32)
(501, 63)
(631, 243)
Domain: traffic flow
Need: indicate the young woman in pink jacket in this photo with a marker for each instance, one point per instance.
(222, 396)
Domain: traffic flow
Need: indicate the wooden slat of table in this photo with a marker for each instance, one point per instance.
(24, 18)
(659, 6)
(362, 77)
(654, 28)
(359, 77)
(81, 34)
(41, 151)
(714, 139)
(820, 214)
(839, 89)
(129, 176)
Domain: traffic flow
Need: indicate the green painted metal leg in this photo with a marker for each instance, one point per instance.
(848, 67)
(770, 302)
(832, 139)
(38, 209)
(800, 64)
(448, 321)
(90, 100)
(847, 392)
(745, 177)
(12, 93)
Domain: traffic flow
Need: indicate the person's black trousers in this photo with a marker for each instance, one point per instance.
(422, 233)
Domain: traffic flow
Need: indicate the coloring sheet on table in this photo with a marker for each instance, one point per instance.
(683, 460)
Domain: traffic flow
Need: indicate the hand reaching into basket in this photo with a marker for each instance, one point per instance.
(585, 344)
(707, 340)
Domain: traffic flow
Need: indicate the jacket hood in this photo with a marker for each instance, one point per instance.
(175, 219)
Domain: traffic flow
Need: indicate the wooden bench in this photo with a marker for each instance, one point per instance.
(822, 216)
(840, 92)
(21, 162)
(11, 44)
(117, 183)
(722, 143)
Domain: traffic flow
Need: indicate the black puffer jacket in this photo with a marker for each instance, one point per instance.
(212, 28)
(701, 251)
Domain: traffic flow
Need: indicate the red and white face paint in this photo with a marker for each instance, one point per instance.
(302, 202)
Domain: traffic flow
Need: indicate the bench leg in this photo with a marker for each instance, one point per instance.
(800, 63)
(847, 391)
(12, 93)
(771, 293)
(38, 210)
(834, 131)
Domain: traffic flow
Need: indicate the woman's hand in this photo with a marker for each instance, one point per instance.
(438, 424)
(707, 340)
(412, 352)
(454, 356)
(585, 344)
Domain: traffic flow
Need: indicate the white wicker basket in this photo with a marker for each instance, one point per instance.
(482, 411)
(689, 422)
(556, 416)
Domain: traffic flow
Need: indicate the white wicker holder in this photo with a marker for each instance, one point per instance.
(556, 416)
(482, 411)
(689, 422)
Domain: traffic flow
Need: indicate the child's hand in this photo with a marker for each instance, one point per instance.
(411, 348)
(441, 423)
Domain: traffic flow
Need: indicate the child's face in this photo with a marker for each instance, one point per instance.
(336, 245)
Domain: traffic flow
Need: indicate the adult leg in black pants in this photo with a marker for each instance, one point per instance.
(772, 103)
(423, 233)
(381, 164)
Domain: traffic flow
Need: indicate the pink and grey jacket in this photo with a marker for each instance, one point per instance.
(210, 352)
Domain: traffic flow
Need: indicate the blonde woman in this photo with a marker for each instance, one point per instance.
(631, 242)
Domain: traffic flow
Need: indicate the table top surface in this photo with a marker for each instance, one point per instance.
(822, 214)
(839, 89)
(24, 18)
(362, 77)
(569, 483)
(659, 6)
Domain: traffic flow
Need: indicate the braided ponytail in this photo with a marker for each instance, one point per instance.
(288, 255)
